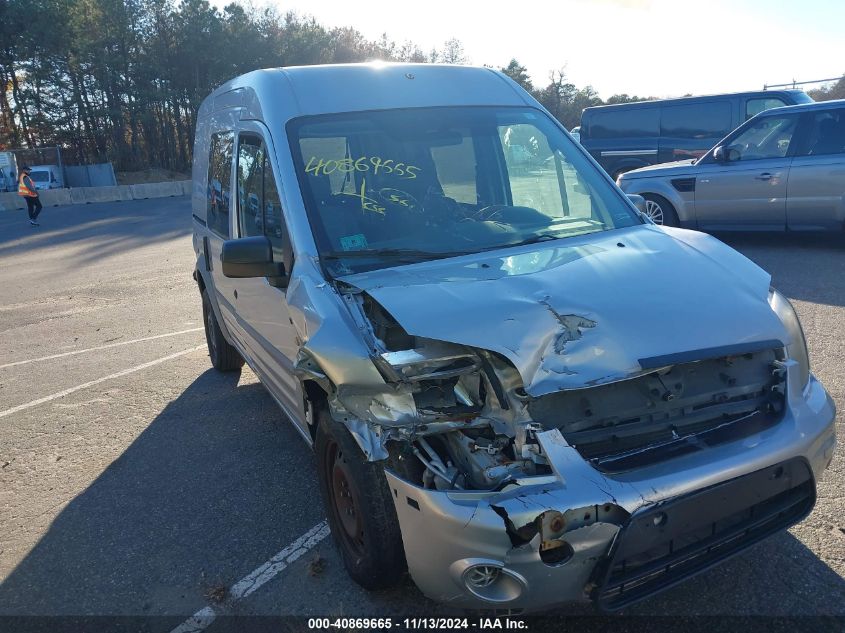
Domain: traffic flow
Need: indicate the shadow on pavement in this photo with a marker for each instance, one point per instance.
(215, 485)
(107, 227)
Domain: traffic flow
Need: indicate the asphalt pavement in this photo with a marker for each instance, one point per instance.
(136, 481)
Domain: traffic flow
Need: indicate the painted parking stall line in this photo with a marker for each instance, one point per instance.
(98, 348)
(91, 383)
(258, 577)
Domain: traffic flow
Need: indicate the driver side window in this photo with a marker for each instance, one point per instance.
(259, 206)
(770, 137)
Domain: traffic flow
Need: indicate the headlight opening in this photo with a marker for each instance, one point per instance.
(796, 349)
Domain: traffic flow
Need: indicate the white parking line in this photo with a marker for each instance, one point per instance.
(99, 347)
(131, 370)
(203, 618)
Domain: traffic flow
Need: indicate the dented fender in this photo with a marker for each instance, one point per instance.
(333, 354)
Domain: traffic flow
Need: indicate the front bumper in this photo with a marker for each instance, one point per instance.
(447, 534)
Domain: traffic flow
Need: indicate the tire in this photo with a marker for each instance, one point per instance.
(359, 508)
(223, 356)
(660, 210)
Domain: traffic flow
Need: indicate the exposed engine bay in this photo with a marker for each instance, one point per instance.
(459, 418)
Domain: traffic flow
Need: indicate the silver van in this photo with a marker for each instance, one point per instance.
(456, 307)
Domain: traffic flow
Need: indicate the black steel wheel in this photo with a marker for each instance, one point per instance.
(360, 510)
(223, 356)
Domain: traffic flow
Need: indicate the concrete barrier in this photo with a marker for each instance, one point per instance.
(156, 190)
(107, 194)
(77, 195)
(11, 201)
(55, 197)
(86, 195)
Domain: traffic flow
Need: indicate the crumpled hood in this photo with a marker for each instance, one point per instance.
(677, 168)
(585, 311)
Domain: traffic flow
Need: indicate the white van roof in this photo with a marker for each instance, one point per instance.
(277, 95)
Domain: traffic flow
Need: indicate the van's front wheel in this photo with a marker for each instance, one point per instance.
(223, 356)
(360, 511)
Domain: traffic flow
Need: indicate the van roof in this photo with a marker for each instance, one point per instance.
(654, 102)
(280, 94)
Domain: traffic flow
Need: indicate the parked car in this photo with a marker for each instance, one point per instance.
(499, 396)
(8, 172)
(630, 135)
(47, 177)
(782, 170)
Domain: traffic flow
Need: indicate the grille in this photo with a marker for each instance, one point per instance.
(669, 412)
(673, 541)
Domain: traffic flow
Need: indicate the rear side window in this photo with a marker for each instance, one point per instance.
(756, 106)
(703, 120)
(219, 182)
(827, 134)
(626, 122)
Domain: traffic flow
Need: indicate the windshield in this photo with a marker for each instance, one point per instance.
(799, 96)
(390, 187)
(40, 176)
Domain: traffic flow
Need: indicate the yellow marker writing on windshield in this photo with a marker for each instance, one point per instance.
(376, 164)
(367, 203)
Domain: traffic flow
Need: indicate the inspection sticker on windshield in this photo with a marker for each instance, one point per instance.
(353, 242)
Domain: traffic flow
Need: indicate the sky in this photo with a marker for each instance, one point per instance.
(658, 48)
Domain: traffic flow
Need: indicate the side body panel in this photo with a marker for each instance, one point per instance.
(816, 193)
(682, 138)
(749, 196)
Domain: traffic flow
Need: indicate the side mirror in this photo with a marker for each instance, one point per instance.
(638, 201)
(250, 257)
(724, 154)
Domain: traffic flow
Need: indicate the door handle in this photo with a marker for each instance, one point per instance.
(764, 176)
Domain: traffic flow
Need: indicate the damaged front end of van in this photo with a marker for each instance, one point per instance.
(552, 430)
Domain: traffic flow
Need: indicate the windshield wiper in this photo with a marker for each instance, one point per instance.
(400, 253)
(542, 237)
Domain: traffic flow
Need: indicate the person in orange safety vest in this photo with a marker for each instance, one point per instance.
(26, 188)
